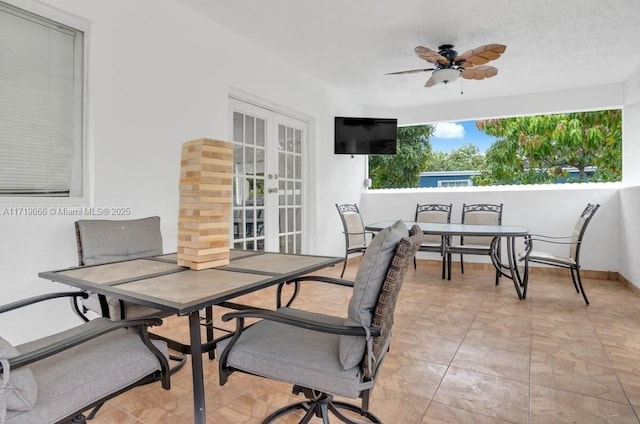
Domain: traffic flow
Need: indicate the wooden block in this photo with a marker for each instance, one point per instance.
(204, 217)
(198, 266)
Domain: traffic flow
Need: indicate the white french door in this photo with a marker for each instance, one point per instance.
(267, 179)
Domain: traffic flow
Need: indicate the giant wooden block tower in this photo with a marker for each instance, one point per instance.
(205, 203)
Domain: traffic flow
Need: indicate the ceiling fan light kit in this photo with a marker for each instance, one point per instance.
(448, 65)
(445, 75)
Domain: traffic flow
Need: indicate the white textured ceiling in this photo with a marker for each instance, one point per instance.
(351, 44)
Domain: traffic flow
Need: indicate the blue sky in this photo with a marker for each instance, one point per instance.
(449, 136)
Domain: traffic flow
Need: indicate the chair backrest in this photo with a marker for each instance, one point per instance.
(433, 212)
(386, 303)
(353, 225)
(481, 214)
(579, 230)
(101, 241)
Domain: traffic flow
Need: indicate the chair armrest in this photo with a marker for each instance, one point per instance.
(555, 241)
(40, 298)
(322, 279)
(365, 232)
(80, 338)
(313, 325)
(542, 236)
(298, 280)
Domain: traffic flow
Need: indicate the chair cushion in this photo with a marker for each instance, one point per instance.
(295, 355)
(21, 391)
(550, 258)
(114, 240)
(72, 379)
(131, 310)
(366, 289)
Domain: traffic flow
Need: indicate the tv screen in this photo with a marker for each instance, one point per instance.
(365, 136)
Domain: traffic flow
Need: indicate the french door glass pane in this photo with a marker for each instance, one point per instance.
(249, 138)
(290, 172)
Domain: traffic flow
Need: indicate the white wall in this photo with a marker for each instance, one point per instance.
(551, 210)
(629, 243)
(159, 75)
(630, 197)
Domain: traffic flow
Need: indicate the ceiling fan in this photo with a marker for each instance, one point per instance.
(448, 65)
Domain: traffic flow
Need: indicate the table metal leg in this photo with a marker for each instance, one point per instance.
(511, 271)
(513, 265)
(209, 327)
(525, 278)
(199, 415)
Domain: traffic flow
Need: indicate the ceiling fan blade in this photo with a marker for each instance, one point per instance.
(412, 71)
(431, 55)
(482, 54)
(480, 73)
(430, 82)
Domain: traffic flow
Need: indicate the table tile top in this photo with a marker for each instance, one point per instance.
(119, 271)
(191, 286)
(274, 263)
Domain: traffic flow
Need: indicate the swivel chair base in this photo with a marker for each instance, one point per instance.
(322, 405)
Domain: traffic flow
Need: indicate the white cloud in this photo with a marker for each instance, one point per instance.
(448, 130)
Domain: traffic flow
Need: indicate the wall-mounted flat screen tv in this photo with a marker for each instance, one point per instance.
(365, 136)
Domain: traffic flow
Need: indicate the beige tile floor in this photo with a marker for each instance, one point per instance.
(464, 351)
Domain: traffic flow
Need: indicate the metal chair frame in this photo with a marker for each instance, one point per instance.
(81, 310)
(321, 404)
(574, 242)
(423, 212)
(352, 246)
(467, 210)
(140, 325)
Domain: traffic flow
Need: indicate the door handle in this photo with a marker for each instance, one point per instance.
(272, 190)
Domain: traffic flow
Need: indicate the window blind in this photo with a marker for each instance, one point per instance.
(41, 72)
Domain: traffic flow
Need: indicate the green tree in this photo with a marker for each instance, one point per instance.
(536, 149)
(465, 158)
(403, 169)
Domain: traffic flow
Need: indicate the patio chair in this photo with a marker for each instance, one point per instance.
(355, 236)
(479, 214)
(573, 242)
(433, 212)
(102, 241)
(54, 379)
(324, 356)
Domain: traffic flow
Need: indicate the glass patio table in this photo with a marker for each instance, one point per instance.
(160, 283)
(509, 232)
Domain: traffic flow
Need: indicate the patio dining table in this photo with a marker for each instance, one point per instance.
(509, 269)
(160, 283)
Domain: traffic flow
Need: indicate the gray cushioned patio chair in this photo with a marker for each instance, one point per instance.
(479, 214)
(101, 241)
(571, 260)
(438, 213)
(324, 356)
(55, 378)
(355, 236)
